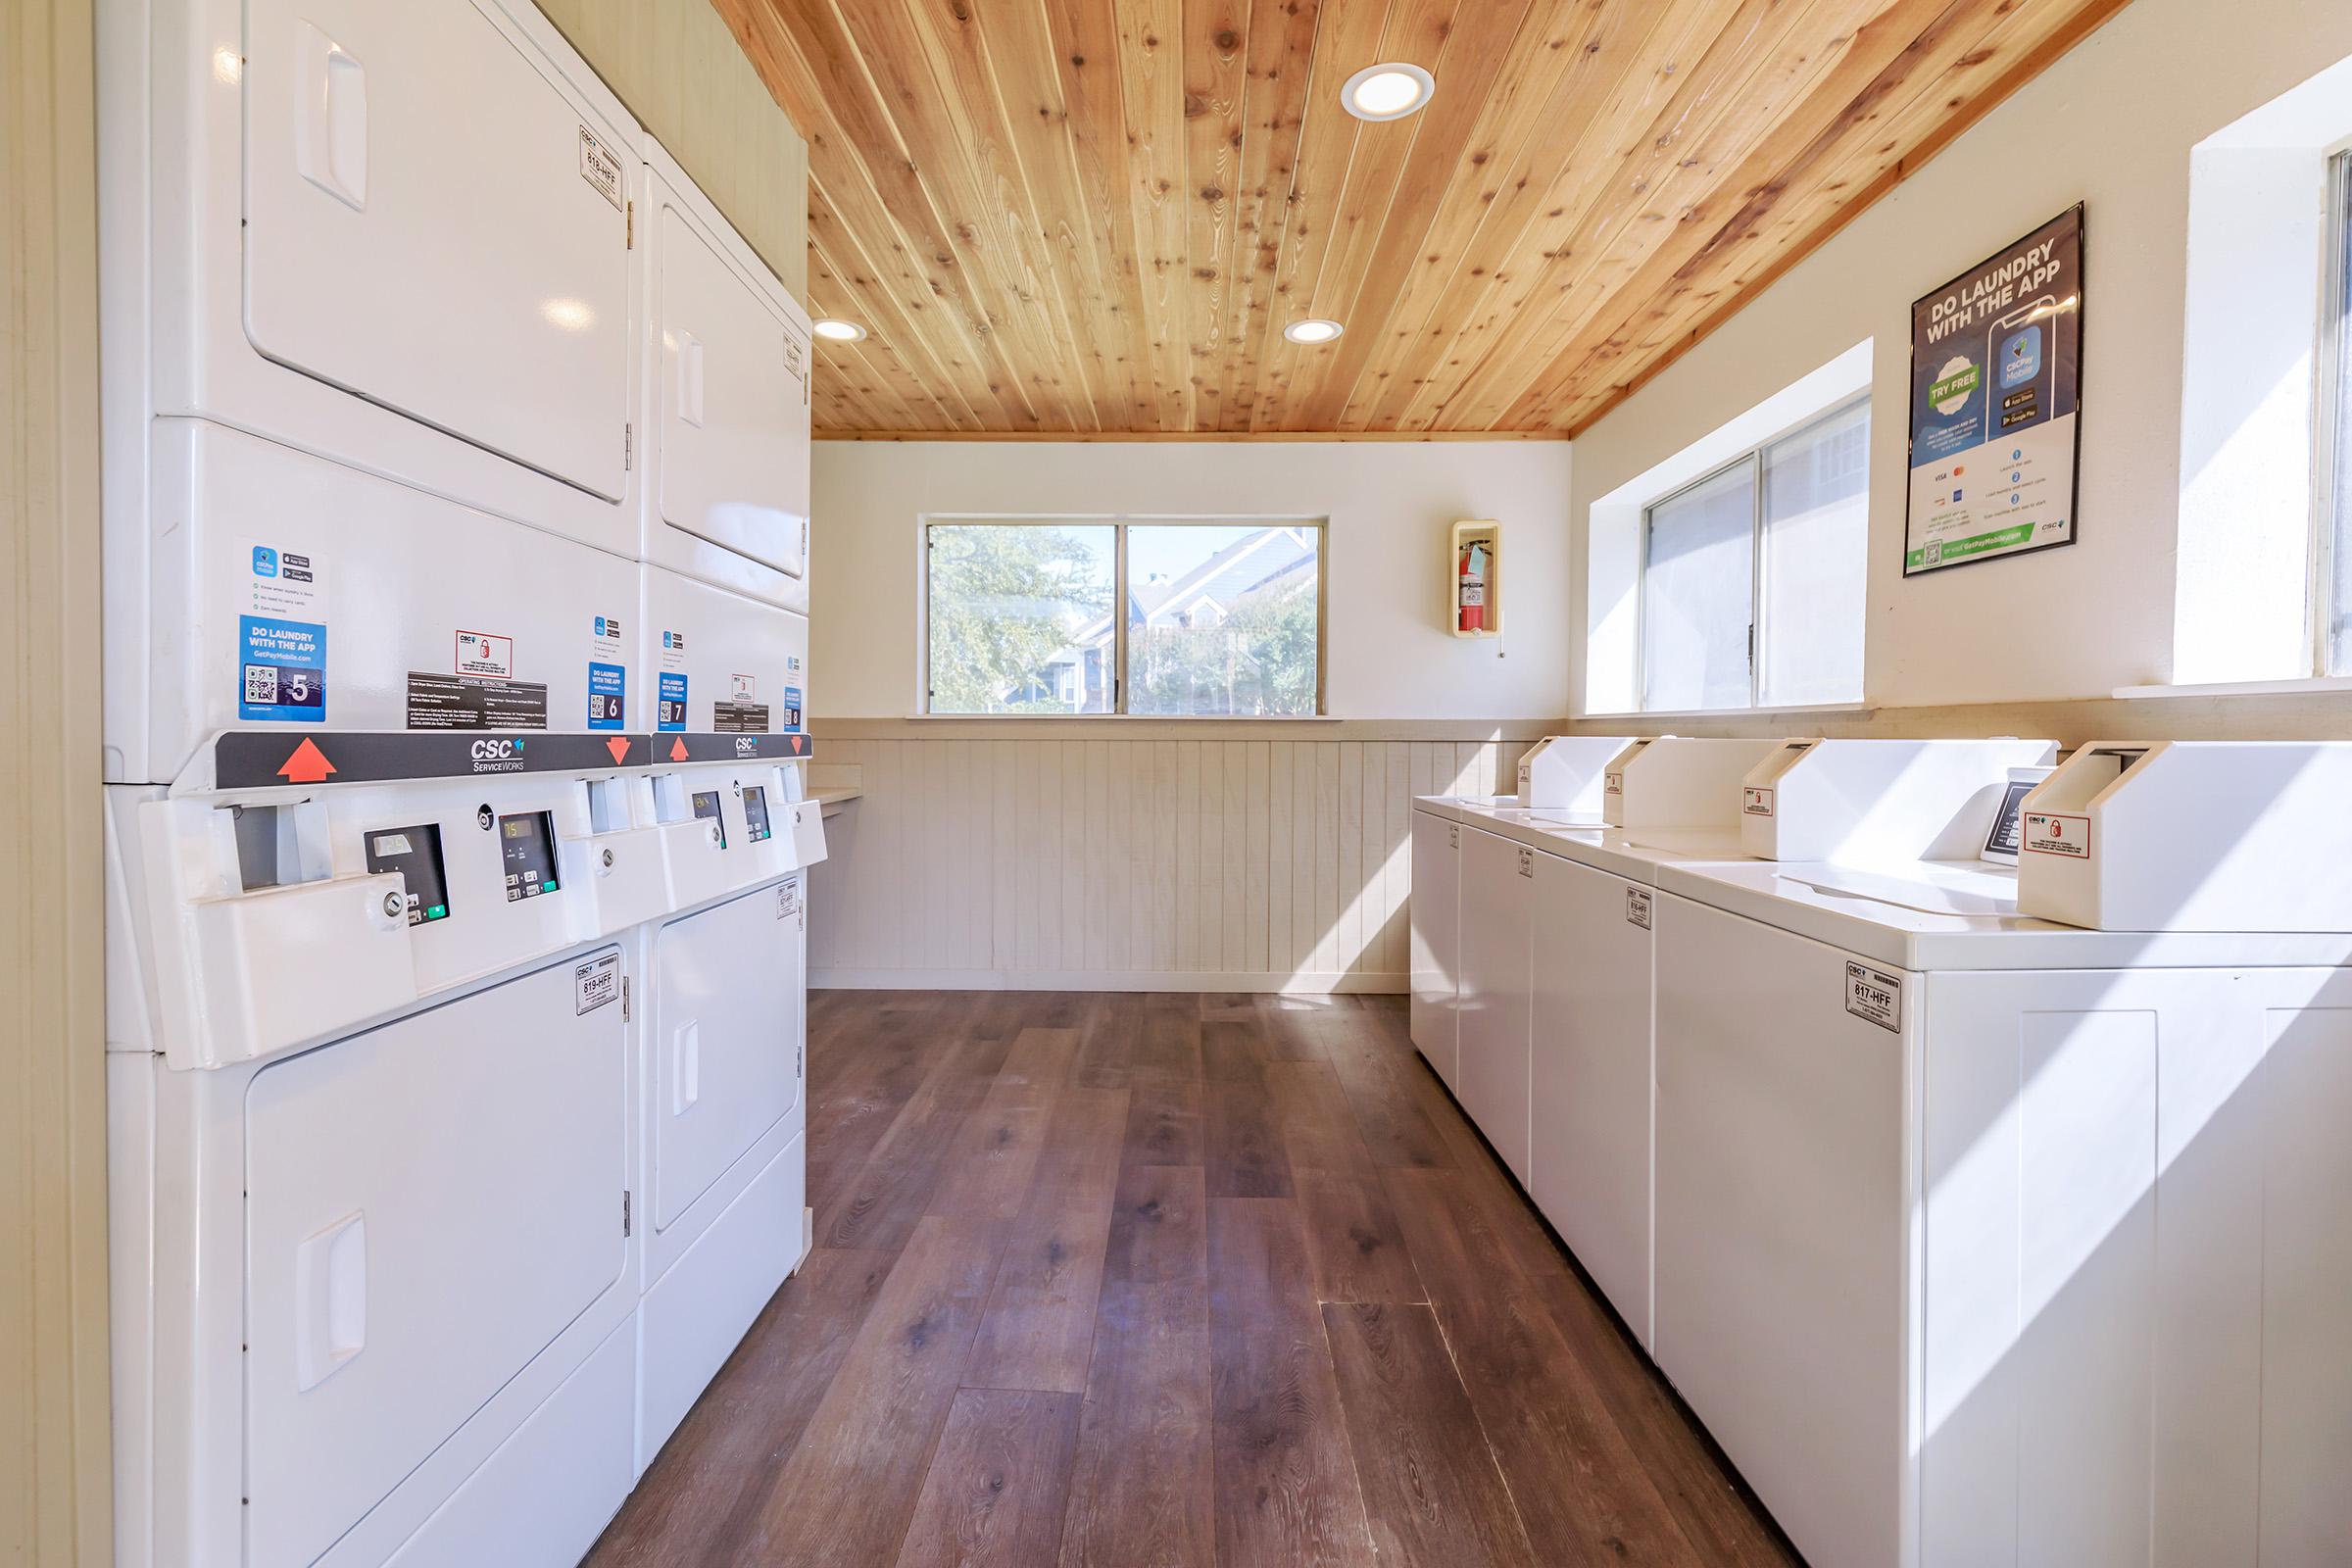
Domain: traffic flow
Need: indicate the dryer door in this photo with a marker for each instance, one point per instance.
(734, 412)
(428, 1204)
(467, 268)
(726, 1022)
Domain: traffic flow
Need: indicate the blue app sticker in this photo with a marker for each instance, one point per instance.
(2021, 356)
(672, 704)
(792, 708)
(283, 673)
(264, 561)
(608, 695)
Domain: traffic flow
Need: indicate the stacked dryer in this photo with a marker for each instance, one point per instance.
(456, 1032)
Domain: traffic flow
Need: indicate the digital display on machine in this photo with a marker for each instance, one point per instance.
(755, 813)
(413, 853)
(706, 805)
(527, 843)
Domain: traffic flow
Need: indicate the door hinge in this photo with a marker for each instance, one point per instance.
(629, 239)
(628, 447)
(624, 999)
(624, 1211)
(797, 1069)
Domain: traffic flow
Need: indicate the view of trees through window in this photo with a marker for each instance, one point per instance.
(1221, 618)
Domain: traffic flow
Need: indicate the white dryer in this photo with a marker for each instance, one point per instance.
(1984, 1238)
(726, 492)
(307, 244)
(725, 1074)
(372, 1152)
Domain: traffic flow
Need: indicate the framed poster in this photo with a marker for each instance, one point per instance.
(1996, 396)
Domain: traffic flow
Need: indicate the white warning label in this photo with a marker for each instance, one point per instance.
(1636, 908)
(2048, 833)
(1755, 801)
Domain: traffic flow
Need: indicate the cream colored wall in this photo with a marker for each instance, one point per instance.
(682, 74)
(1154, 856)
(2110, 125)
(54, 1462)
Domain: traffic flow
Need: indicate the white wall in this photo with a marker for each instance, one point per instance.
(1388, 504)
(2110, 125)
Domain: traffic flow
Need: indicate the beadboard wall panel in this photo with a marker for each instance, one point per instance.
(1223, 864)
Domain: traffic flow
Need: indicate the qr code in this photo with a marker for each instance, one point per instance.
(261, 683)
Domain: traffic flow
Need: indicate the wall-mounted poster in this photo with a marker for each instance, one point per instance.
(1996, 393)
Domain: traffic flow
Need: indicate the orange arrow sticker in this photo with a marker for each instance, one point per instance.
(677, 750)
(308, 764)
(618, 746)
(796, 745)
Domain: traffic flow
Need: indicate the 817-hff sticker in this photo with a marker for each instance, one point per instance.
(1875, 995)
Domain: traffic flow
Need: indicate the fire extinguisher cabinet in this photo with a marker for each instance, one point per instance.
(1474, 579)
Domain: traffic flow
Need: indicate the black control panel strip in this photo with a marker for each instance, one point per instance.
(244, 760)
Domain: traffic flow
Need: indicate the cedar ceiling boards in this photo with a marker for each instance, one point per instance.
(1094, 216)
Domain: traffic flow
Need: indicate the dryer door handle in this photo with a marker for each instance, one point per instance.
(330, 131)
(685, 1068)
(330, 1299)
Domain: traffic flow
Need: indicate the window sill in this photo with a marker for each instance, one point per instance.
(1651, 715)
(2308, 686)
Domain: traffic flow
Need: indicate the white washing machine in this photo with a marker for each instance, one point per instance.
(1983, 1238)
(371, 1083)
(403, 237)
(1522, 895)
(1561, 775)
(726, 492)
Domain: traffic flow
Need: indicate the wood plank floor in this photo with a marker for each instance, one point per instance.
(1118, 1281)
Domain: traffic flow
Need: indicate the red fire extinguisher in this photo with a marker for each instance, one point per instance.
(1470, 596)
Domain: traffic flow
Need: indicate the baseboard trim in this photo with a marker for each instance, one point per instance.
(1305, 985)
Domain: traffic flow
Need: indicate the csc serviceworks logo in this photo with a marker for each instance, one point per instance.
(496, 756)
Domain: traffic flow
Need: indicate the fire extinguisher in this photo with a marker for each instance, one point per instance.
(1470, 596)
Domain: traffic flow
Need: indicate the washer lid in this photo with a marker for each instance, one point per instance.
(1949, 914)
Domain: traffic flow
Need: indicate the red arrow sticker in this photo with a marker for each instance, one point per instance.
(306, 765)
(618, 746)
(677, 750)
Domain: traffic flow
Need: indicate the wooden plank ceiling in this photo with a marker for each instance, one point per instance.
(1097, 215)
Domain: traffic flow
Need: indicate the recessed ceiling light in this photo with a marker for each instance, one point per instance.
(1314, 329)
(839, 331)
(1388, 92)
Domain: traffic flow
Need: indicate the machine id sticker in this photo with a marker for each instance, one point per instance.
(1875, 995)
(671, 709)
(788, 900)
(599, 167)
(608, 695)
(281, 670)
(481, 653)
(1755, 801)
(1527, 862)
(792, 708)
(595, 982)
(2048, 833)
(1636, 908)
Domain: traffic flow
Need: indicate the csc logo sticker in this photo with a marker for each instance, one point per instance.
(495, 750)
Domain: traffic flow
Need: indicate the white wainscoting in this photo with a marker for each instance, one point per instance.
(1156, 861)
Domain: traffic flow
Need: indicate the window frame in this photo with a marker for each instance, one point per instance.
(1119, 524)
(1752, 459)
(2331, 465)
